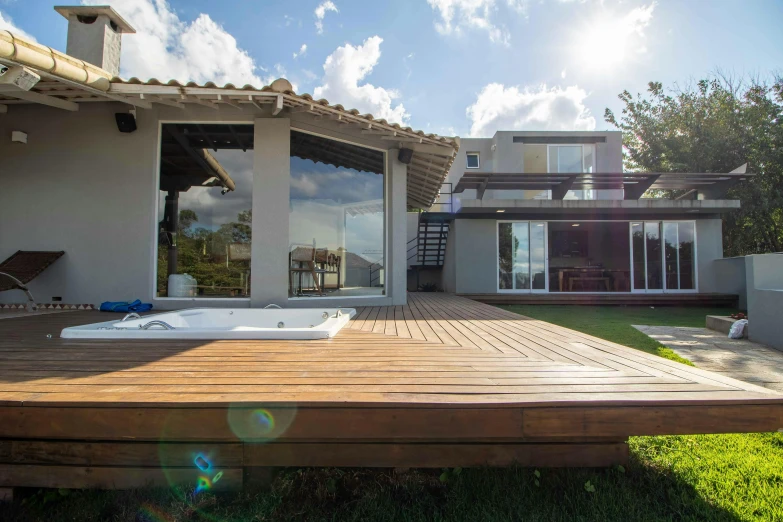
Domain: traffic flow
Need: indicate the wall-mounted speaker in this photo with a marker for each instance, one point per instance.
(405, 156)
(126, 122)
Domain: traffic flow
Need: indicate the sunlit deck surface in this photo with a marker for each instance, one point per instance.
(443, 381)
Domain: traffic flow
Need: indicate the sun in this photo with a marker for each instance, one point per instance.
(602, 45)
(608, 40)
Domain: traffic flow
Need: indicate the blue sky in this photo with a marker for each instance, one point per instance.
(465, 67)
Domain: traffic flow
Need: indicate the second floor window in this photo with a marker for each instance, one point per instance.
(571, 158)
(472, 160)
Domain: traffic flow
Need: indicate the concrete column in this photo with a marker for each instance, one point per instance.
(396, 272)
(271, 192)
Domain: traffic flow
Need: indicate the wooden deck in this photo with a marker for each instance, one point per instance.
(443, 381)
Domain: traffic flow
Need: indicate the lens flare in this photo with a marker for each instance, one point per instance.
(217, 477)
(264, 420)
(202, 463)
(260, 424)
(203, 484)
(149, 513)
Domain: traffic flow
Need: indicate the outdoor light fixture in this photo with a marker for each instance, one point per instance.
(500, 211)
(575, 225)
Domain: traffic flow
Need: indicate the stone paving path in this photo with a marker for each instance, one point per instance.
(710, 350)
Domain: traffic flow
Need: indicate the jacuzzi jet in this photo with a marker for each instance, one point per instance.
(281, 324)
(325, 315)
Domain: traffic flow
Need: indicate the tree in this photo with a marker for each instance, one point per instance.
(715, 126)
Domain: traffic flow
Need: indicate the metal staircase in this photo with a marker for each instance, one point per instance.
(427, 251)
(431, 240)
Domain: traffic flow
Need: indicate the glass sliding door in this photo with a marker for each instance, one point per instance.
(663, 255)
(522, 256)
(538, 257)
(686, 244)
(652, 244)
(679, 240)
(638, 257)
(521, 266)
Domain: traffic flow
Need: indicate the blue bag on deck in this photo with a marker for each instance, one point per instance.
(125, 307)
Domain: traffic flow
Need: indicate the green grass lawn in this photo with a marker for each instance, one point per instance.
(704, 477)
(614, 322)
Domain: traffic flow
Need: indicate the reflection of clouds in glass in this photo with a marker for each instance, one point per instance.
(310, 180)
(323, 199)
(326, 223)
(213, 208)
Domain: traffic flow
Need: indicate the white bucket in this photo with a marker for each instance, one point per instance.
(182, 285)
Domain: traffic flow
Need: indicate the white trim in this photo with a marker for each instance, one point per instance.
(478, 160)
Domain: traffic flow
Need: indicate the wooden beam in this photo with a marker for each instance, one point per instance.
(197, 101)
(43, 99)
(278, 105)
(637, 190)
(302, 108)
(163, 101)
(559, 191)
(402, 139)
(221, 99)
(482, 188)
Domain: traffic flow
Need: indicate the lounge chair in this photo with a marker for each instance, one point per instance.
(23, 267)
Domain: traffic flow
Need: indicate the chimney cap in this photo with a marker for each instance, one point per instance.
(96, 10)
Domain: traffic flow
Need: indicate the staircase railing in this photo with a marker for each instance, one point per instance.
(444, 206)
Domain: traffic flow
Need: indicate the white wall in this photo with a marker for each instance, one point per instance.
(80, 186)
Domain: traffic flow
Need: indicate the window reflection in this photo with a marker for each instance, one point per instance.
(336, 218)
(205, 209)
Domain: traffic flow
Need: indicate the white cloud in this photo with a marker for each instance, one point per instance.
(563, 73)
(310, 75)
(457, 16)
(506, 108)
(345, 68)
(302, 51)
(166, 47)
(6, 24)
(320, 13)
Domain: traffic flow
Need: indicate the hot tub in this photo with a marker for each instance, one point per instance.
(221, 323)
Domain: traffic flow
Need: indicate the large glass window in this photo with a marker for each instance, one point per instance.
(336, 218)
(205, 210)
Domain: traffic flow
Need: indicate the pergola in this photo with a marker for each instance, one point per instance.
(709, 185)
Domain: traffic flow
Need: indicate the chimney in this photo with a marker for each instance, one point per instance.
(94, 35)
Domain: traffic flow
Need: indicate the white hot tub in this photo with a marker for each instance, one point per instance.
(221, 323)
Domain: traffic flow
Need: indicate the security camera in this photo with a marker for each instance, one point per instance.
(224, 191)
